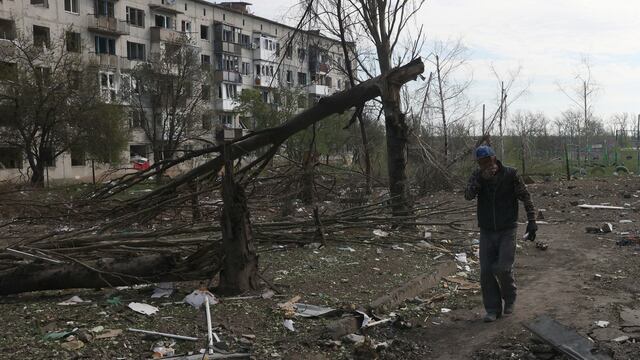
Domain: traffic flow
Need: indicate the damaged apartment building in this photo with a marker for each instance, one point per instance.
(241, 50)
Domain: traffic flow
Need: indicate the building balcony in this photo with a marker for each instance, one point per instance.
(223, 46)
(266, 81)
(108, 26)
(264, 54)
(227, 76)
(109, 61)
(232, 133)
(315, 89)
(160, 34)
(227, 105)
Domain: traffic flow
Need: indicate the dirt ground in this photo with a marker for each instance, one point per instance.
(580, 279)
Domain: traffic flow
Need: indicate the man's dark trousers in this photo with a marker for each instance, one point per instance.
(497, 253)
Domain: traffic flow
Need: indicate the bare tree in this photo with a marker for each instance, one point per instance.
(51, 102)
(169, 93)
(450, 59)
(582, 95)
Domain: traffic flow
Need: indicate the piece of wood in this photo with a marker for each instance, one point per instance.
(416, 286)
(603, 207)
(564, 339)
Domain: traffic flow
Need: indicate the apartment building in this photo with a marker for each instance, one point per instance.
(243, 50)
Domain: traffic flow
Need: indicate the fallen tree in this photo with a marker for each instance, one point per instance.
(206, 261)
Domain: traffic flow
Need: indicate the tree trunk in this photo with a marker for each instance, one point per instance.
(37, 175)
(240, 267)
(39, 276)
(307, 179)
(365, 148)
(442, 112)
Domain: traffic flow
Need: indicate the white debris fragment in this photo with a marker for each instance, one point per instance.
(141, 308)
(445, 310)
(461, 257)
(74, 300)
(602, 323)
(197, 298)
(288, 324)
(381, 233)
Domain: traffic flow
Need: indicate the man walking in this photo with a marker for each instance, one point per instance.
(498, 189)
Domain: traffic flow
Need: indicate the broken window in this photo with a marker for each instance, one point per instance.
(108, 85)
(204, 32)
(164, 21)
(41, 36)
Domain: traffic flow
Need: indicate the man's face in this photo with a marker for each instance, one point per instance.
(488, 166)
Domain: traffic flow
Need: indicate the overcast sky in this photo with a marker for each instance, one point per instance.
(546, 38)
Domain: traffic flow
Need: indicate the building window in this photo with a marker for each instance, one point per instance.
(10, 158)
(204, 11)
(186, 27)
(226, 119)
(245, 41)
(227, 62)
(246, 68)
(78, 157)
(71, 6)
(135, 51)
(105, 8)
(232, 91)
(105, 45)
(72, 40)
(41, 36)
(206, 122)
(205, 59)
(164, 21)
(302, 54)
(204, 32)
(224, 17)
(206, 92)
(44, 3)
(289, 51)
(219, 91)
(302, 79)
(135, 16)
(290, 76)
(136, 119)
(108, 85)
(185, 6)
(46, 156)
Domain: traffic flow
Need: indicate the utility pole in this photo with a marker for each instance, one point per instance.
(638, 145)
(483, 129)
(503, 97)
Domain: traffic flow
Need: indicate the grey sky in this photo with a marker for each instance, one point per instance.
(547, 39)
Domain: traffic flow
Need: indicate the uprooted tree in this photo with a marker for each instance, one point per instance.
(63, 271)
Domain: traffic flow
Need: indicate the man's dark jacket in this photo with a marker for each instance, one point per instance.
(498, 198)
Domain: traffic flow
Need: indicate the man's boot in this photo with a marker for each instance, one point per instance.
(490, 317)
(508, 309)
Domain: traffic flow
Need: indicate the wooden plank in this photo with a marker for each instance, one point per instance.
(564, 339)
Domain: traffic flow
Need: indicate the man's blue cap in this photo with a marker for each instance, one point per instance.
(484, 151)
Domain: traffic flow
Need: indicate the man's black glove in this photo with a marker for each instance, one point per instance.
(532, 228)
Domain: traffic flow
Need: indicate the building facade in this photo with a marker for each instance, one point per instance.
(241, 49)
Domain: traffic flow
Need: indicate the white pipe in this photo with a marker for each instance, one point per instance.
(209, 329)
(179, 337)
